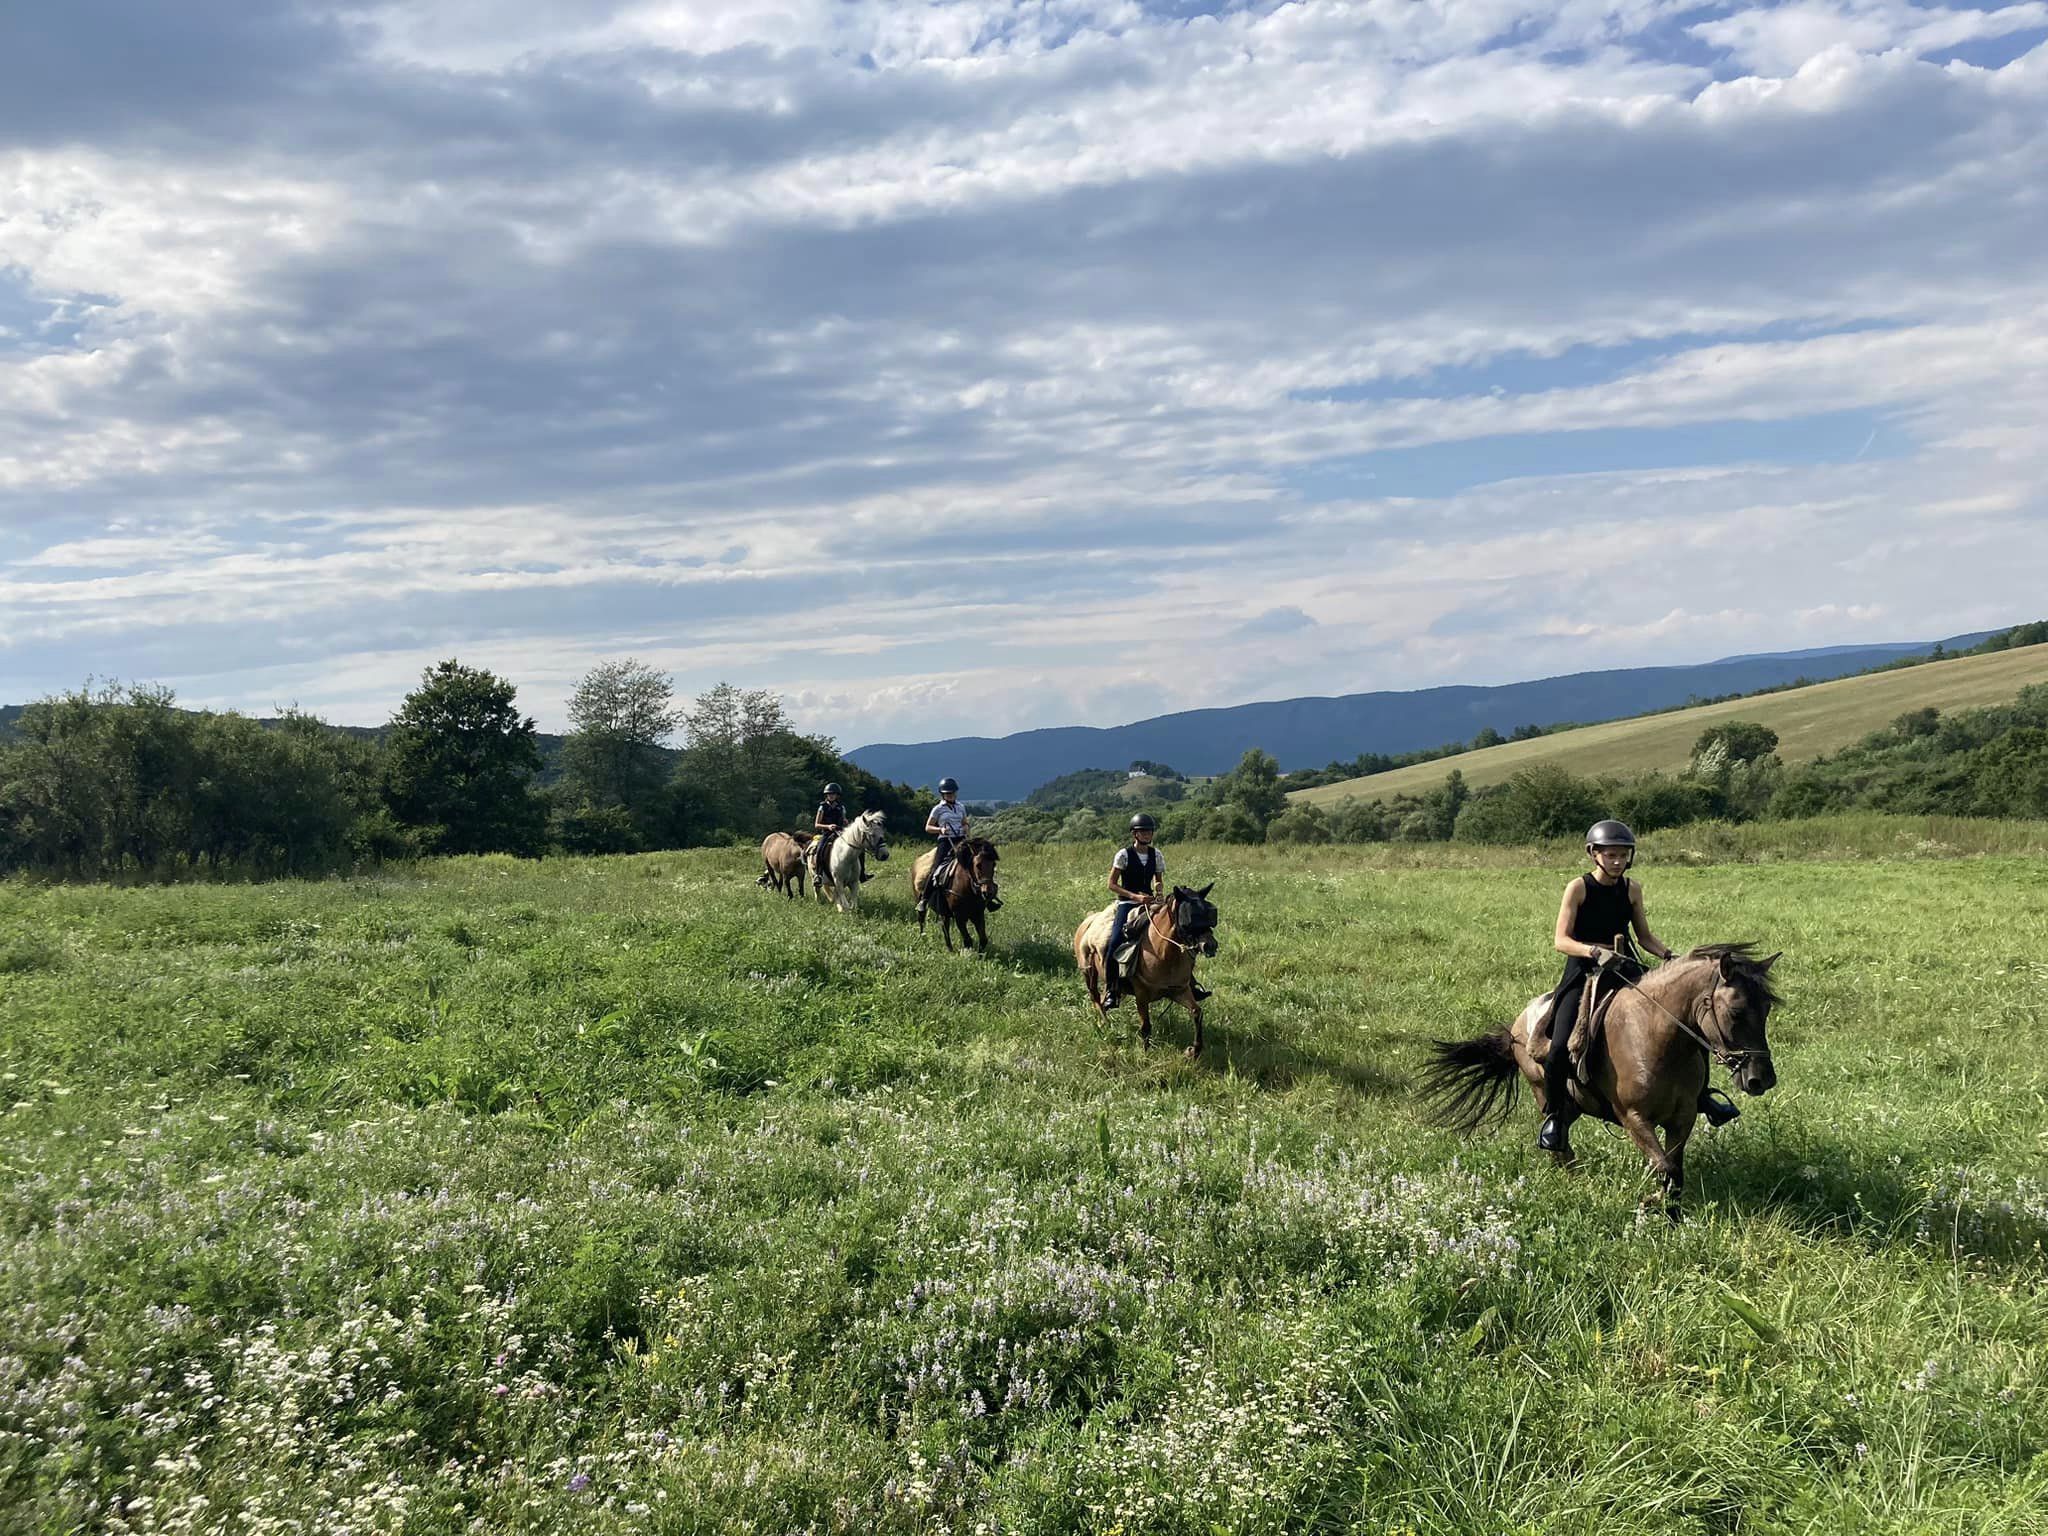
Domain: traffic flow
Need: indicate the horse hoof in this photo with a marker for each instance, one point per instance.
(1193, 1053)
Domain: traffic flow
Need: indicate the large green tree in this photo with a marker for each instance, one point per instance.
(613, 767)
(462, 764)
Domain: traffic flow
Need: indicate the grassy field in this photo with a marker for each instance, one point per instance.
(617, 1195)
(1809, 721)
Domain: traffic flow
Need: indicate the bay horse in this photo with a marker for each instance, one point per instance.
(1644, 1067)
(782, 855)
(1174, 930)
(967, 893)
(835, 871)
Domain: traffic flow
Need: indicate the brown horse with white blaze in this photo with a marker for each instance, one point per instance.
(782, 855)
(968, 894)
(1645, 1066)
(1170, 932)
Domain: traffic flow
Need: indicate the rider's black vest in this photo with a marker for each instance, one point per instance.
(1140, 869)
(831, 815)
(1604, 911)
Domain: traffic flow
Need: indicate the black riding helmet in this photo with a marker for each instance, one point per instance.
(949, 784)
(834, 789)
(1143, 823)
(1611, 834)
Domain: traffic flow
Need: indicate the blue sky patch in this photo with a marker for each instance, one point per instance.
(1444, 469)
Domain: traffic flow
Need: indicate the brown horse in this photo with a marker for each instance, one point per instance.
(1645, 1066)
(967, 894)
(782, 855)
(1170, 932)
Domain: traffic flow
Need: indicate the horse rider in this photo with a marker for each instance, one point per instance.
(1137, 875)
(830, 821)
(1598, 908)
(948, 823)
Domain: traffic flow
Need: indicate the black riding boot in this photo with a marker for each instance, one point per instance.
(1717, 1108)
(1561, 1111)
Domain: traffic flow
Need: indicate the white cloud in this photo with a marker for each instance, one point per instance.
(912, 358)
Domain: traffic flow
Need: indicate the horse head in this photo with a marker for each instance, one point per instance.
(977, 860)
(1194, 918)
(866, 832)
(1732, 1011)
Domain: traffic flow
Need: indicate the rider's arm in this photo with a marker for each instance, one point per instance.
(931, 823)
(1641, 924)
(1567, 913)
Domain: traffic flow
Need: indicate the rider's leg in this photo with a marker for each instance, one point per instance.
(1559, 1109)
(1112, 973)
(1716, 1108)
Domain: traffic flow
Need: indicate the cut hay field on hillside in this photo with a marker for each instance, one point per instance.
(1810, 721)
(618, 1195)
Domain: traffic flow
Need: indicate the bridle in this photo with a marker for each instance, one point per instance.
(985, 889)
(1173, 931)
(1731, 1058)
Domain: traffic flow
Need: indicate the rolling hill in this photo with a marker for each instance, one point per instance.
(1824, 717)
(1309, 732)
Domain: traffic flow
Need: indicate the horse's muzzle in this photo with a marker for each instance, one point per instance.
(1757, 1077)
(1208, 944)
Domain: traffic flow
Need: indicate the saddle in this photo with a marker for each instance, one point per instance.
(1599, 995)
(820, 854)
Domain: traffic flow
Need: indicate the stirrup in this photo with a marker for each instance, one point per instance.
(1551, 1137)
(1718, 1108)
(993, 903)
(1199, 990)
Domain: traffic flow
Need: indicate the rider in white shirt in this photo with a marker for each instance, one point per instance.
(948, 823)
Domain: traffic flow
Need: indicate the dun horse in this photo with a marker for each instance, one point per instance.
(835, 871)
(1169, 935)
(782, 855)
(1643, 1068)
(967, 894)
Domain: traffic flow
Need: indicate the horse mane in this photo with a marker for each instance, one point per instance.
(1747, 968)
(977, 845)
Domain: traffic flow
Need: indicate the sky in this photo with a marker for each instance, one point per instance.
(964, 367)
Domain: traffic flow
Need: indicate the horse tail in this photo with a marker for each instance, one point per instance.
(1469, 1082)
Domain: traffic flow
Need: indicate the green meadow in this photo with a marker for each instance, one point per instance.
(619, 1195)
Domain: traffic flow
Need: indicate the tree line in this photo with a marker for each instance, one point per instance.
(1990, 761)
(113, 782)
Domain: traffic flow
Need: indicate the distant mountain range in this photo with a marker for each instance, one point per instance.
(1310, 732)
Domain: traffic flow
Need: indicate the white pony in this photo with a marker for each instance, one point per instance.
(840, 883)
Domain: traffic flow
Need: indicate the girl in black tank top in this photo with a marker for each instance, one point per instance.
(1604, 910)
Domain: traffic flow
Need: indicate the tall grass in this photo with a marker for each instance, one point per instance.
(619, 1195)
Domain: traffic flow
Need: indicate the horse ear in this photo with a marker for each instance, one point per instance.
(1727, 967)
(1770, 960)
(1205, 890)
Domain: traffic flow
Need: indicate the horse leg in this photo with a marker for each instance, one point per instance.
(1093, 978)
(946, 929)
(1187, 1001)
(1676, 1134)
(1644, 1135)
(1144, 1020)
(981, 928)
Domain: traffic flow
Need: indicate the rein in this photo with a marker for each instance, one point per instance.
(1733, 1060)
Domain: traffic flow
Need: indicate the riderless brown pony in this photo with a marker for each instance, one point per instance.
(1176, 928)
(1644, 1063)
(783, 854)
(967, 893)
